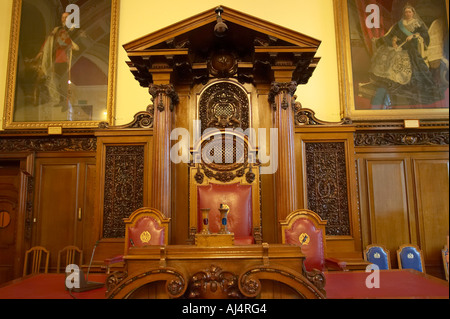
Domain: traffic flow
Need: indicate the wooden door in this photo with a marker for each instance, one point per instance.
(431, 176)
(387, 207)
(64, 204)
(9, 217)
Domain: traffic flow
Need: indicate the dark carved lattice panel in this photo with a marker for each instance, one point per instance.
(224, 105)
(124, 187)
(327, 185)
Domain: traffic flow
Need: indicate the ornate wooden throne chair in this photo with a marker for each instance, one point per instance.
(307, 229)
(225, 171)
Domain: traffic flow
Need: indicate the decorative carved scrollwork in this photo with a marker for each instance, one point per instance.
(326, 179)
(317, 278)
(124, 182)
(142, 120)
(118, 282)
(114, 279)
(250, 284)
(401, 138)
(214, 282)
(308, 117)
(49, 144)
(224, 105)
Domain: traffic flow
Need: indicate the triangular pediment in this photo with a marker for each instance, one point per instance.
(189, 48)
(231, 17)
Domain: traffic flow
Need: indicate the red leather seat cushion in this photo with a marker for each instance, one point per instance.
(239, 198)
(146, 224)
(314, 249)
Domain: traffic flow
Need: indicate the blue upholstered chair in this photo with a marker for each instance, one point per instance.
(410, 257)
(445, 260)
(378, 255)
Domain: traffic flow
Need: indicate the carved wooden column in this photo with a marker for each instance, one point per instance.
(281, 99)
(164, 100)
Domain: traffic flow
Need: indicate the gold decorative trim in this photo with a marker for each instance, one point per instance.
(345, 73)
(8, 118)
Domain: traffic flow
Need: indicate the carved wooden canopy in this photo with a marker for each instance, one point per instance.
(249, 49)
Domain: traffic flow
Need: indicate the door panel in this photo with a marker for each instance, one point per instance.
(64, 199)
(431, 181)
(9, 197)
(389, 208)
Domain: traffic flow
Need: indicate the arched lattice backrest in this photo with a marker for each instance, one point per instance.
(225, 171)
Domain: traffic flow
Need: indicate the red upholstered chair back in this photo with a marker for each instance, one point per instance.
(306, 229)
(239, 198)
(146, 226)
(225, 171)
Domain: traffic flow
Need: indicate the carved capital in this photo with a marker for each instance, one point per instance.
(158, 91)
(287, 90)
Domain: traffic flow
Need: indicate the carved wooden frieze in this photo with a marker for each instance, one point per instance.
(327, 185)
(124, 187)
(224, 105)
(48, 144)
(401, 138)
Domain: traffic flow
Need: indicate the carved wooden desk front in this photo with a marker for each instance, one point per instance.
(217, 272)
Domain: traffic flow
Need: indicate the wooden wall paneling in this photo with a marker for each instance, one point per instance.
(387, 211)
(403, 192)
(87, 212)
(9, 216)
(12, 257)
(60, 190)
(110, 247)
(431, 182)
(345, 240)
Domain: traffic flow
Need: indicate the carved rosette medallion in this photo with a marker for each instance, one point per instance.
(223, 64)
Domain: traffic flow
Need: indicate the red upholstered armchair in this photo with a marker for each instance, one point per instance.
(306, 229)
(145, 226)
(234, 183)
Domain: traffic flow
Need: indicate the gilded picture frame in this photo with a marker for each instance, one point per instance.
(62, 64)
(359, 98)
